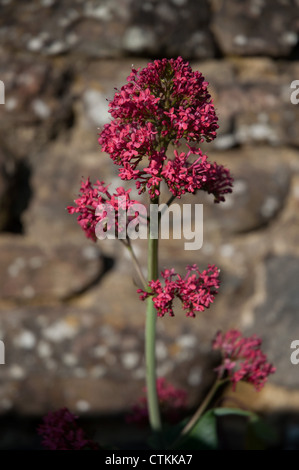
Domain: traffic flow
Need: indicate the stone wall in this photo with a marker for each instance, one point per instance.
(70, 318)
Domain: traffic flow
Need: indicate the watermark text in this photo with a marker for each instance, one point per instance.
(2, 92)
(2, 352)
(295, 93)
(295, 354)
(135, 222)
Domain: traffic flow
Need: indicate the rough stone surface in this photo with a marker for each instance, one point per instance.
(104, 29)
(7, 175)
(89, 355)
(101, 29)
(278, 312)
(254, 103)
(30, 272)
(256, 27)
(259, 194)
(37, 103)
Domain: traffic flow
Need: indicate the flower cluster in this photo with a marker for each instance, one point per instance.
(161, 104)
(182, 175)
(60, 431)
(196, 290)
(98, 210)
(242, 359)
(172, 401)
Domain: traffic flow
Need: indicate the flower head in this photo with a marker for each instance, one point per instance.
(182, 175)
(242, 359)
(196, 290)
(99, 209)
(172, 403)
(60, 431)
(163, 103)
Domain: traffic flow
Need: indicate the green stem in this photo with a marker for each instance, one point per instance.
(200, 410)
(150, 338)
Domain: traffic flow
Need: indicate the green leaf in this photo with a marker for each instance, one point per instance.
(258, 434)
(203, 435)
(233, 411)
(242, 430)
(163, 439)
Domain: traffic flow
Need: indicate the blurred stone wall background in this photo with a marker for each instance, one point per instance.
(70, 318)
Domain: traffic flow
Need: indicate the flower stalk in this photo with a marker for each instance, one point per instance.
(150, 338)
(203, 406)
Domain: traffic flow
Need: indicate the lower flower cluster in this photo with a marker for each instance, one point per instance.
(61, 431)
(196, 290)
(172, 401)
(242, 359)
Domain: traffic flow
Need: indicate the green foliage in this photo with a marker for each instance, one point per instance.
(217, 429)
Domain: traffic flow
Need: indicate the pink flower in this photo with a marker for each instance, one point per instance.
(96, 205)
(242, 359)
(172, 402)
(161, 104)
(196, 290)
(181, 175)
(60, 431)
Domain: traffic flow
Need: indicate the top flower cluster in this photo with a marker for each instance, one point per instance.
(161, 104)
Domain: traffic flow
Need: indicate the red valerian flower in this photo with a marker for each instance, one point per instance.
(96, 204)
(181, 175)
(196, 290)
(242, 359)
(172, 402)
(164, 103)
(60, 431)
